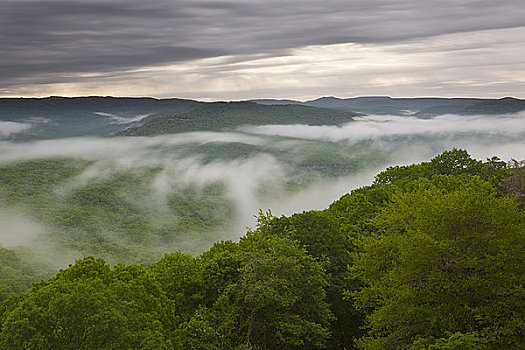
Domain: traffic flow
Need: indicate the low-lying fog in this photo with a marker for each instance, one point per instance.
(9, 128)
(258, 180)
(243, 177)
(373, 127)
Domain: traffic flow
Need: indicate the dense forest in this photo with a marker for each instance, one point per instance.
(429, 256)
(229, 115)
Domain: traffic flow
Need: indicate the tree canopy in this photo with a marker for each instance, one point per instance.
(428, 257)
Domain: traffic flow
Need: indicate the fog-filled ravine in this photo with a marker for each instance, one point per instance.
(133, 198)
(239, 225)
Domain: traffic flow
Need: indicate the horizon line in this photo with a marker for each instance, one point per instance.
(283, 99)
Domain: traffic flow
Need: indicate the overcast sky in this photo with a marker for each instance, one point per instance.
(240, 49)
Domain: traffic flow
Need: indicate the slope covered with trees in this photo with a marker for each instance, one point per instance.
(420, 107)
(229, 115)
(113, 216)
(54, 117)
(429, 256)
(134, 212)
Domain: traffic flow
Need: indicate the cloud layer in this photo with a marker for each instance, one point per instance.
(130, 47)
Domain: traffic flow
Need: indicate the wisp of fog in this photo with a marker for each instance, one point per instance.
(123, 120)
(9, 128)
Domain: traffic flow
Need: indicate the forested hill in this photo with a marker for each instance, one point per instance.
(229, 115)
(429, 256)
(56, 117)
(57, 106)
(419, 107)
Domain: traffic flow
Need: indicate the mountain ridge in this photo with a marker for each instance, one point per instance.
(57, 116)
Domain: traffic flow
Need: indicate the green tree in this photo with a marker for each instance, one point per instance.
(90, 306)
(180, 276)
(455, 341)
(221, 266)
(454, 162)
(448, 257)
(278, 301)
(16, 275)
(322, 236)
(514, 182)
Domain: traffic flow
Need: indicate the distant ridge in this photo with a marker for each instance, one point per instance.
(49, 104)
(104, 116)
(80, 116)
(502, 105)
(420, 106)
(266, 101)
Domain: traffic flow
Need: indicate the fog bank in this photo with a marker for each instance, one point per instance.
(374, 127)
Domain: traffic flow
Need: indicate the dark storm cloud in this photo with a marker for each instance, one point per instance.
(57, 40)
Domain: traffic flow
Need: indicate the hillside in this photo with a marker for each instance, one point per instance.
(419, 107)
(500, 106)
(53, 117)
(229, 115)
(62, 106)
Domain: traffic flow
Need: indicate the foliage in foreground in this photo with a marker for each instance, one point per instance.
(430, 256)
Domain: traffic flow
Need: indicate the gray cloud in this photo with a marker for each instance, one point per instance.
(58, 41)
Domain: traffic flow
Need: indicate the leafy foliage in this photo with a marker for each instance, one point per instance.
(17, 274)
(90, 306)
(446, 258)
(276, 300)
(430, 256)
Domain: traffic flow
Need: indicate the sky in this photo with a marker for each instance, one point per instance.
(243, 49)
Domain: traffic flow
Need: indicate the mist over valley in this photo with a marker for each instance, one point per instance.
(133, 198)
